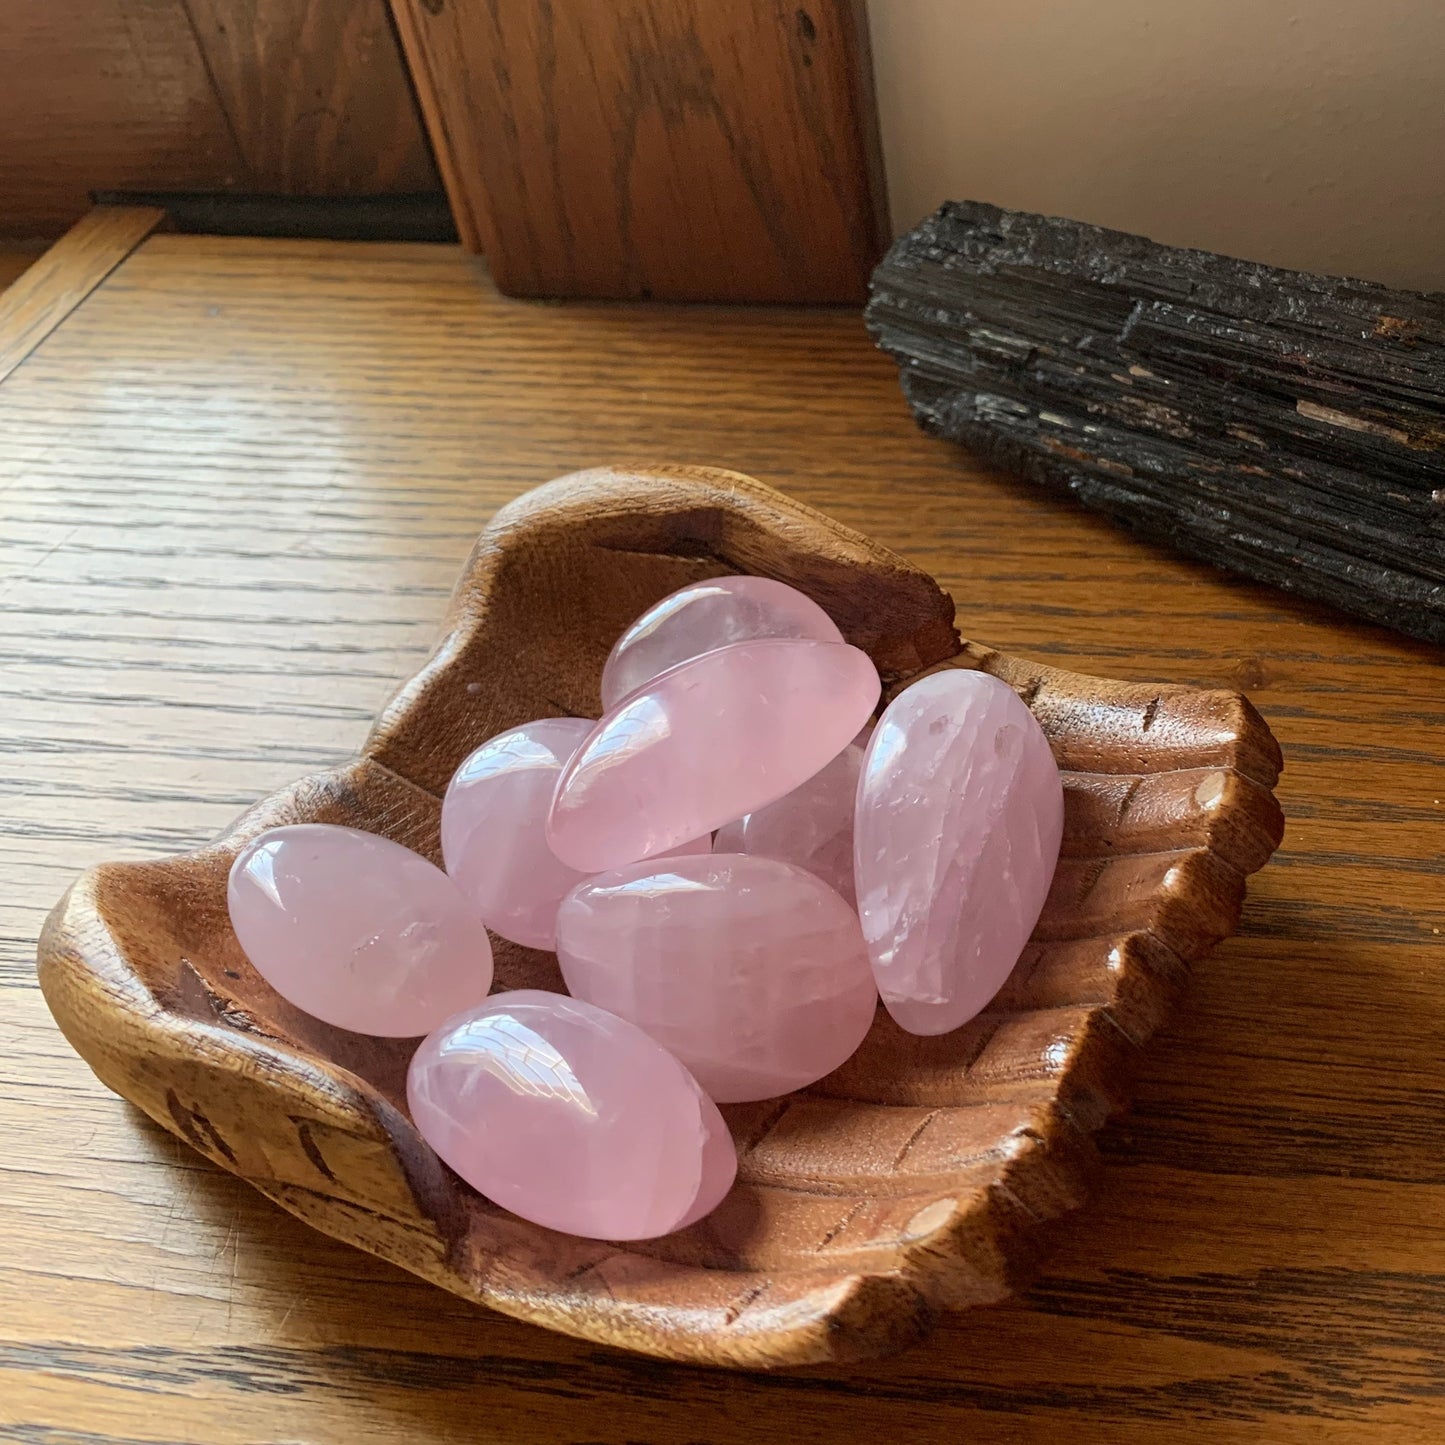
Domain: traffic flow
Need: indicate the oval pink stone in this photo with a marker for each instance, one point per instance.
(751, 971)
(494, 829)
(704, 617)
(357, 930)
(960, 816)
(812, 826)
(571, 1118)
(494, 820)
(711, 739)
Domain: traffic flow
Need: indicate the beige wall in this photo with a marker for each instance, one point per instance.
(1305, 133)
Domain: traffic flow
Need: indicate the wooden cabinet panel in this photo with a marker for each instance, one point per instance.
(300, 97)
(718, 150)
(316, 95)
(103, 93)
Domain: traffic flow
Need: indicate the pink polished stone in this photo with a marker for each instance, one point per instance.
(708, 741)
(752, 971)
(357, 930)
(571, 1118)
(704, 617)
(494, 835)
(812, 826)
(960, 815)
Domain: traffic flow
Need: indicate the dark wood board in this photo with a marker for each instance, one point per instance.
(294, 97)
(687, 150)
(316, 94)
(102, 93)
(1286, 425)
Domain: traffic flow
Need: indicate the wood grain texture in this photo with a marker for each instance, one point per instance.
(910, 1181)
(316, 95)
(714, 150)
(289, 96)
(102, 94)
(54, 285)
(235, 489)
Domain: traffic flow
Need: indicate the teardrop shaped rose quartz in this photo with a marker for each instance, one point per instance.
(960, 816)
(751, 971)
(357, 930)
(706, 742)
(703, 617)
(571, 1118)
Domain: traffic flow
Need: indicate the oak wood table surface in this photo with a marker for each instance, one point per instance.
(237, 479)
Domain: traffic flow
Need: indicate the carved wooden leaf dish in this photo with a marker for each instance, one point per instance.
(913, 1180)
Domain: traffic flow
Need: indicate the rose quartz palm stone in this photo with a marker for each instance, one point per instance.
(494, 839)
(709, 740)
(570, 1117)
(960, 816)
(812, 826)
(751, 971)
(357, 930)
(703, 617)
